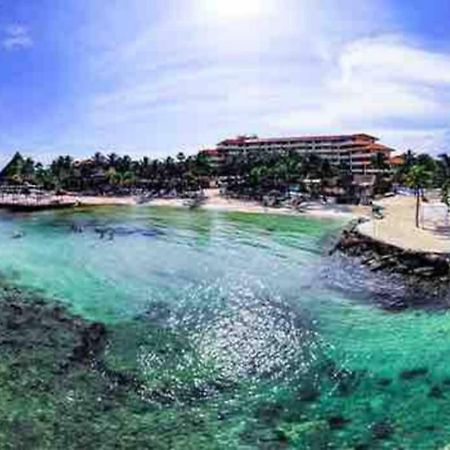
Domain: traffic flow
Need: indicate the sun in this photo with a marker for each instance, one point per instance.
(229, 10)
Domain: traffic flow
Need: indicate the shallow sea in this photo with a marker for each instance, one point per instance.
(240, 328)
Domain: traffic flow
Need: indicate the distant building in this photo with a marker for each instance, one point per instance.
(397, 161)
(354, 150)
(215, 157)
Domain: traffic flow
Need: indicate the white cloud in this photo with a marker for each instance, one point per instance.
(384, 85)
(16, 37)
(432, 140)
(396, 59)
(183, 74)
(206, 78)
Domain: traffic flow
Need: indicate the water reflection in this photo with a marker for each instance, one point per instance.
(236, 331)
(245, 333)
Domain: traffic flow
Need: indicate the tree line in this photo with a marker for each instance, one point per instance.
(253, 174)
(110, 173)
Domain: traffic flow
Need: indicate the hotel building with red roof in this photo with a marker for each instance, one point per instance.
(354, 150)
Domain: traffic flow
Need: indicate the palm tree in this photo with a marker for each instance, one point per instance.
(417, 178)
(128, 178)
(112, 159)
(410, 159)
(201, 164)
(99, 160)
(112, 176)
(445, 182)
(124, 163)
(379, 162)
(62, 169)
(143, 167)
(28, 169)
(169, 167)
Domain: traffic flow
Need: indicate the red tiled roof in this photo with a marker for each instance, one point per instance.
(379, 148)
(365, 136)
(210, 152)
(252, 140)
(397, 160)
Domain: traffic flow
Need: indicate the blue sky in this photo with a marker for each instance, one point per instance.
(157, 76)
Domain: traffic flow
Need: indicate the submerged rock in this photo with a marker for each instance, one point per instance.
(384, 382)
(362, 446)
(337, 422)
(91, 343)
(413, 373)
(436, 392)
(51, 334)
(382, 430)
(308, 392)
(269, 412)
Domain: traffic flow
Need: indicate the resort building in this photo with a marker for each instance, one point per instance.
(397, 161)
(356, 151)
(214, 156)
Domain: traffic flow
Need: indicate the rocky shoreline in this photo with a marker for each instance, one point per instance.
(379, 256)
(31, 323)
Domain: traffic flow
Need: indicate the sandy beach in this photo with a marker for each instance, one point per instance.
(398, 226)
(84, 200)
(215, 202)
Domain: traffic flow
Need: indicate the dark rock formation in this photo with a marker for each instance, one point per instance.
(394, 278)
(383, 382)
(381, 256)
(436, 392)
(91, 343)
(308, 393)
(410, 374)
(337, 422)
(33, 325)
(382, 430)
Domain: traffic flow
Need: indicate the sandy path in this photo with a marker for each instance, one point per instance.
(398, 227)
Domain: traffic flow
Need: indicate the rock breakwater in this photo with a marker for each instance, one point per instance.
(379, 256)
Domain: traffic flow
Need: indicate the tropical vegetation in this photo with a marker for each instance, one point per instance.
(254, 175)
(110, 173)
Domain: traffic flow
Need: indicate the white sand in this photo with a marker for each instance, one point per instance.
(215, 202)
(104, 201)
(398, 227)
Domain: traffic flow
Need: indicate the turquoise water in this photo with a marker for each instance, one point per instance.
(242, 331)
